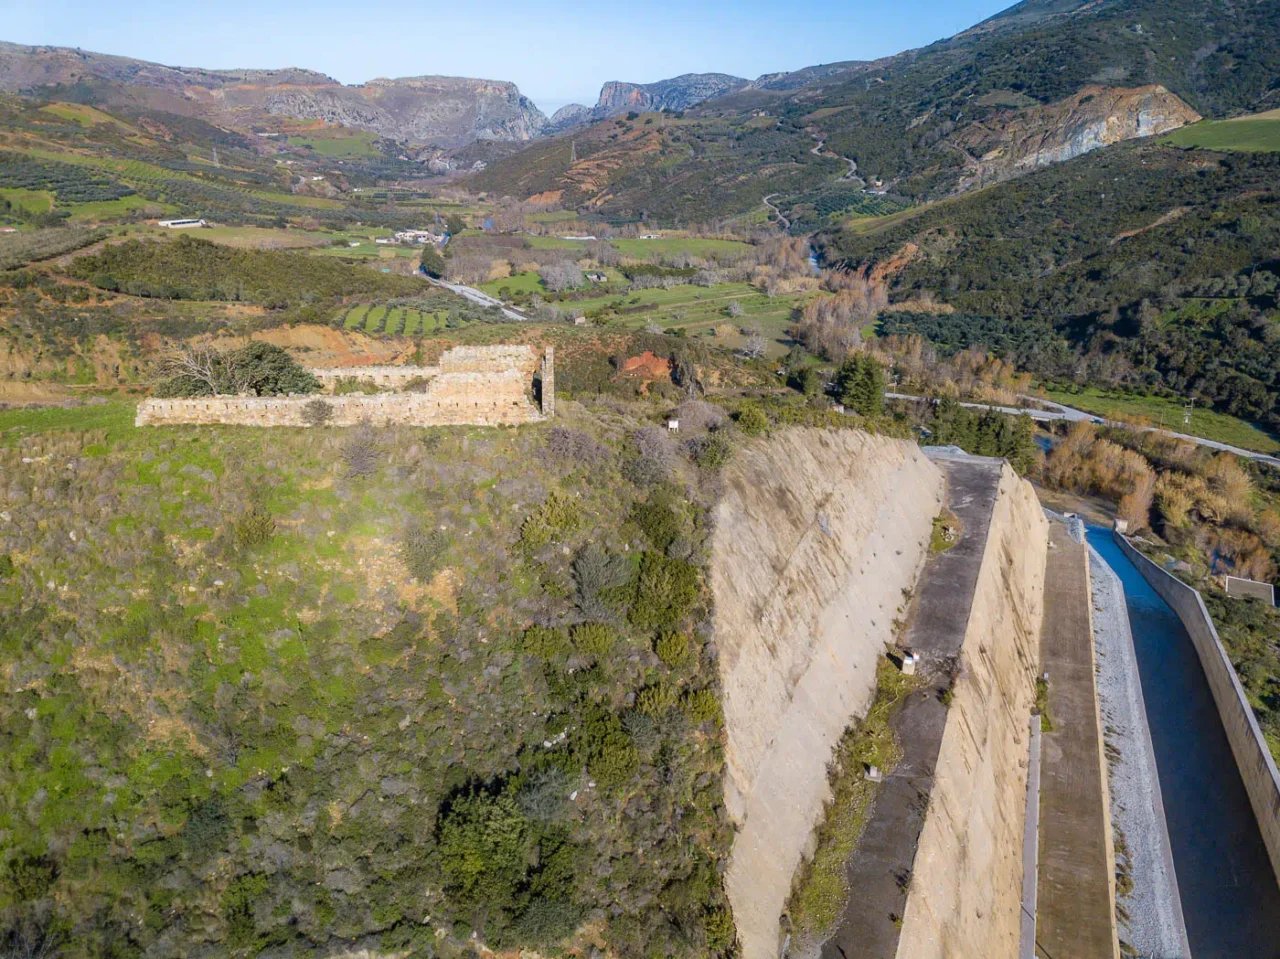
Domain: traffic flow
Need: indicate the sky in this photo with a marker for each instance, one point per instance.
(555, 52)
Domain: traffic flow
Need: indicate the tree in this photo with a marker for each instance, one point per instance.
(860, 385)
(484, 850)
(560, 276)
(455, 224)
(754, 347)
(432, 263)
(258, 368)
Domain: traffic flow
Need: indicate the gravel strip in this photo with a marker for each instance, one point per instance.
(1150, 916)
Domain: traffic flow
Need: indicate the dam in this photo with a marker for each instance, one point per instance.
(823, 561)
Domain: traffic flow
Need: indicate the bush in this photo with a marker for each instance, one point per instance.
(656, 700)
(546, 642)
(317, 412)
(362, 454)
(752, 420)
(593, 639)
(7, 567)
(254, 528)
(674, 649)
(703, 706)
(485, 846)
(423, 550)
(600, 577)
(712, 451)
(559, 516)
(665, 592)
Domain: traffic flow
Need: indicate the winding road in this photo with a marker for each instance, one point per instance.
(786, 224)
(1057, 412)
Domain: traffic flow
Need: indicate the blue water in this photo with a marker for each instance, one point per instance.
(1230, 898)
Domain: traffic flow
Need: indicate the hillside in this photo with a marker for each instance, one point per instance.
(1142, 265)
(1042, 82)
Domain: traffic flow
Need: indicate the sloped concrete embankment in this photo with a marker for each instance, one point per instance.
(818, 534)
(965, 886)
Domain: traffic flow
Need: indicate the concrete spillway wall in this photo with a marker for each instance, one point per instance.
(965, 886)
(1257, 766)
(818, 534)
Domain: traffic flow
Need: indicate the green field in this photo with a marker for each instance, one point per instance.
(355, 145)
(393, 321)
(1256, 134)
(36, 201)
(516, 283)
(644, 249)
(1167, 413)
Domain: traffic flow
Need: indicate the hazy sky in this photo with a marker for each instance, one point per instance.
(556, 52)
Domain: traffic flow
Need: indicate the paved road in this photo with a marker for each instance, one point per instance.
(478, 296)
(1059, 413)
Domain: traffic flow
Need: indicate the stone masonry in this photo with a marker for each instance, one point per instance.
(471, 386)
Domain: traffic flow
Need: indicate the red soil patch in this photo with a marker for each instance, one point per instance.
(647, 367)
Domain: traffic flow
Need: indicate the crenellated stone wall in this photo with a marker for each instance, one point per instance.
(472, 385)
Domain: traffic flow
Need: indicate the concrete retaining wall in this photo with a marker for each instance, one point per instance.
(1257, 766)
(818, 534)
(966, 883)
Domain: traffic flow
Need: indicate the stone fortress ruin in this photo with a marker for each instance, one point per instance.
(501, 385)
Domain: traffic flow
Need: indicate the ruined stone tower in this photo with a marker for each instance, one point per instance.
(549, 382)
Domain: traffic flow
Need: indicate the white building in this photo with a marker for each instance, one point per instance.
(420, 237)
(185, 224)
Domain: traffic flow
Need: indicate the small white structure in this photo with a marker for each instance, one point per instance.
(184, 224)
(651, 236)
(577, 237)
(673, 425)
(1241, 587)
(597, 277)
(1122, 526)
(419, 237)
(909, 662)
(383, 239)
(874, 775)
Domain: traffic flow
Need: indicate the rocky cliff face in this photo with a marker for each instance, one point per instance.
(443, 111)
(678, 93)
(1018, 141)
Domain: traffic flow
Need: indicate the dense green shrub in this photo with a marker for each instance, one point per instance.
(559, 516)
(675, 650)
(665, 592)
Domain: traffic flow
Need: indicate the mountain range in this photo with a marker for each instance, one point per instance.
(446, 112)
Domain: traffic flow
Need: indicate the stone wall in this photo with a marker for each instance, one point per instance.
(966, 883)
(383, 377)
(817, 536)
(472, 385)
(1257, 765)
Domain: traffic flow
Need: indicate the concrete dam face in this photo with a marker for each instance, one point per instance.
(820, 540)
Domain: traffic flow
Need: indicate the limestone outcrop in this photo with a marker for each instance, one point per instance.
(1014, 142)
(818, 534)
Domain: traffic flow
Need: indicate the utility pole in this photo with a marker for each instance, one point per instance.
(1186, 413)
(573, 152)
